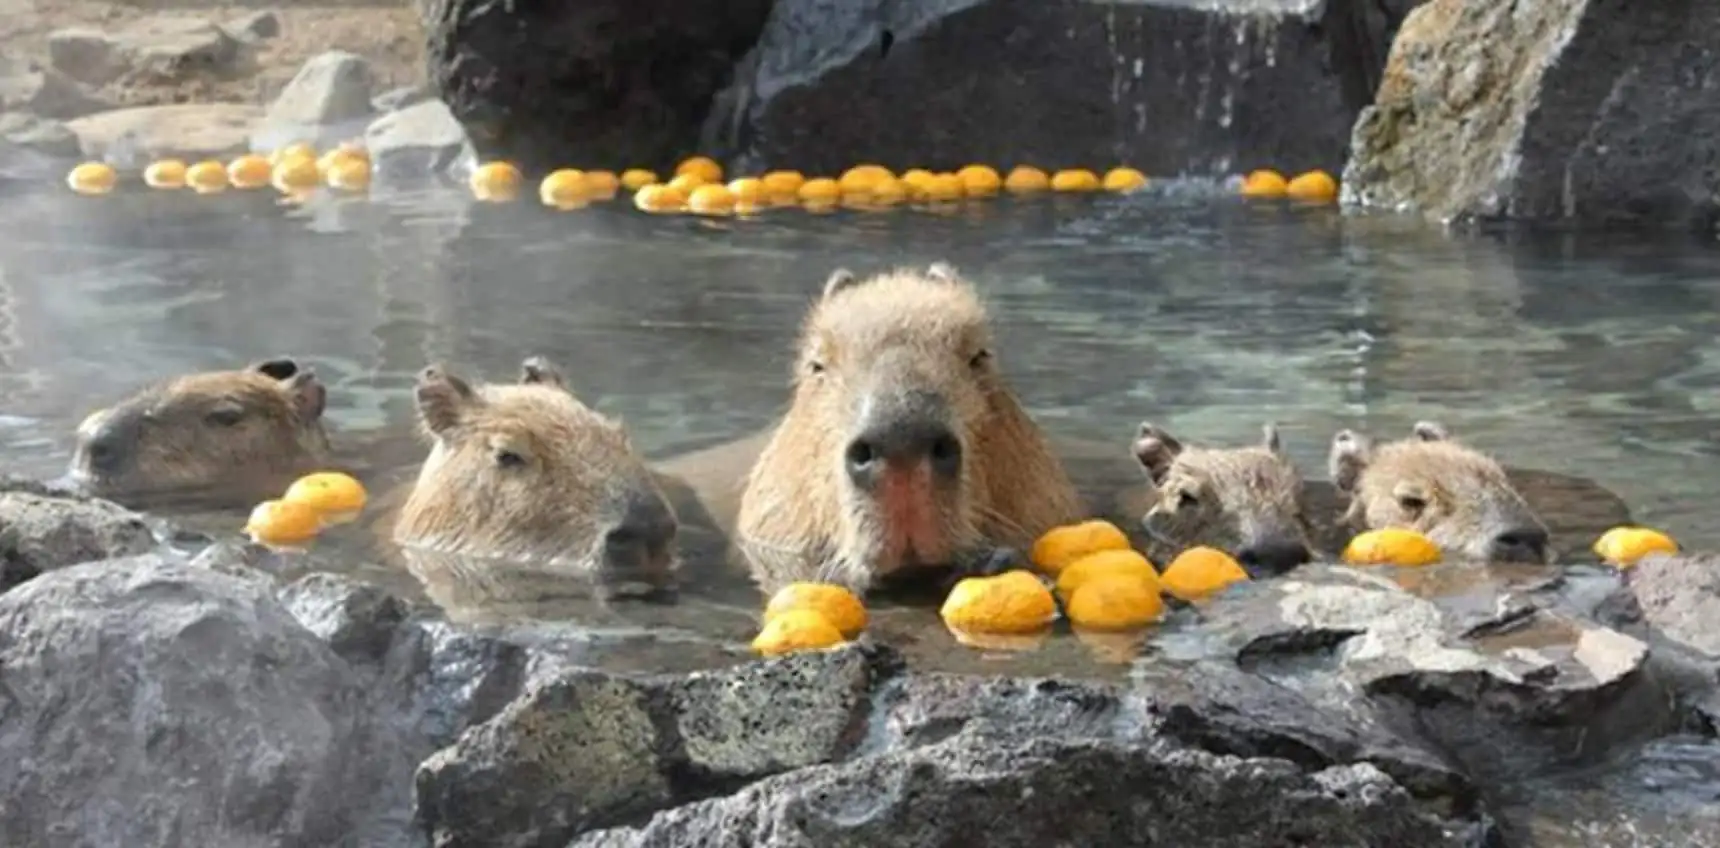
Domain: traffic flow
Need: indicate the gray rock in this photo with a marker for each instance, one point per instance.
(26, 86)
(257, 26)
(154, 50)
(40, 533)
(586, 84)
(1001, 790)
(1679, 596)
(395, 99)
(1515, 703)
(191, 131)
(1167, 87)
(326, 102)
(149, 703)
(417, 142)
(358, 620)
(587, 749)
(45, 136)
(1557, 110)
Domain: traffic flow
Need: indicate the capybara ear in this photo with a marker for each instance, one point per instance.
(839, 279)
(1348, 459)
(1430, 431)
(1156, 450)
(1269, 438)
(943, 272)
(442, 399)
(279, 367)
(310, 397)
(540, 371)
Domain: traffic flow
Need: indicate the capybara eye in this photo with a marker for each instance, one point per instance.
(225, 416)
(1187, 500)
(1412, 504)
(509, 459)
(815, 367)
(979, 359)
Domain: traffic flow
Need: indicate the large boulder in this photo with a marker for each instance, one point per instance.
(612, 83)
(151, 703)
(1170, 87)
(1000, 789)
(189, 131)
(1553, 110)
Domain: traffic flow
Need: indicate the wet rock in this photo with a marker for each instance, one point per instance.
(26, 86)
(1679, 596)
(1003, 790)
(606, 84)
(587, 749)
(40, 533)
(256, 26)
(149, 703)
(1560, 110)
(154, 50)
(417, 142)
(185, 131)
(1497, 704)
(1166, 87)
(441, 680)
(327, 102)
(356, 619)
(45, 136)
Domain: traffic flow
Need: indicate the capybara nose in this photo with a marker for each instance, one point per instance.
(903, 443)
(105, 450)
(643, 535)
(1272, 557)
(1521, 544)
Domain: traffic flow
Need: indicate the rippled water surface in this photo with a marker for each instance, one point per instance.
(1591, 355)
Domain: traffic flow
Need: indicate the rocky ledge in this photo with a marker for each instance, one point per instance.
(154, 698)
(1170, 87)
(1562, 110)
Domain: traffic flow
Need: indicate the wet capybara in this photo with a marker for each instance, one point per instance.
(526, 472)
(1458, 497)
(217, 438)
(1247, 501)
(903, 446)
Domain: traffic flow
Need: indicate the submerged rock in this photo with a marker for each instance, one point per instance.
(149, 703)
(1166, 87)
(40, 533)
(1556, 110)
(609, 84)
(999, 789)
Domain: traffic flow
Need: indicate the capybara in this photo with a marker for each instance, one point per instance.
(1458, 497)
(217, 438)
(903, 446)
(1247, 501)
(527, 472)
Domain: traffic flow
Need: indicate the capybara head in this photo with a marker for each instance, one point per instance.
(527, 472)
(903, 445)
(1245, 501)
(1448, 492)
(219, 435)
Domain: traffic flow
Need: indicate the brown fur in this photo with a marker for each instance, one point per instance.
(865, 343)
(528, 472)
(1246, 501)
(1458, 497)
(221, 438)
